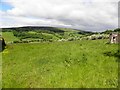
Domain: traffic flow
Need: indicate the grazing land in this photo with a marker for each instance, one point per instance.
(64, 64)
(9, 37)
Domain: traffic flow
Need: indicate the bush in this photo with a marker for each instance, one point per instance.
(93, 38)
(99, 37)
(16, 41)
(25, 41)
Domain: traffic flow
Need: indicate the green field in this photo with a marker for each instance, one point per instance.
(53, 63)
(9, 37)
(76, 64)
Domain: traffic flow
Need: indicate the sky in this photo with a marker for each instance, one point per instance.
(89, 15)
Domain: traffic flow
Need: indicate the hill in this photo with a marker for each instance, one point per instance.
(28, 34)
(80, 62)
(35, 33)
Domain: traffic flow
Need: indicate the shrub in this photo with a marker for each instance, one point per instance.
(93, 38)
(25, 41)
(99, 37)
(16, 41)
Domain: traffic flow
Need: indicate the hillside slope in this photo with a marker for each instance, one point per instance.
(31, 33)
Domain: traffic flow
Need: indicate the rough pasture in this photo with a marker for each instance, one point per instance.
(76, 64)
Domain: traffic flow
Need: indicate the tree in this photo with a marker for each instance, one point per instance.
(117, 30)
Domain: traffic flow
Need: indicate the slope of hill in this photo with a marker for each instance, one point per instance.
(31, 33)
(41, 33)
(77, 64)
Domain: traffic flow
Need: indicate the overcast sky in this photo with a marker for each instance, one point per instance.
(90, 15)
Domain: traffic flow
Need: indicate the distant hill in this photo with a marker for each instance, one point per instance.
(44, 28)
(42, 33)
(110, 31)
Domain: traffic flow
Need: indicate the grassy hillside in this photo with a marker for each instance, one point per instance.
(40, 33)
(77, 64)
(84, 60)
(9, 37)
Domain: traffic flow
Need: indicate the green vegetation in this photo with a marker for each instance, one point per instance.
(46, 33)
(80, 64)
(49, 34)
(1, 70)
(84, 60)
(9, 37)
(110, 31)
(117, 30)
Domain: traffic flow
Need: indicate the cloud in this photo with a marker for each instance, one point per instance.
(92, 15)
